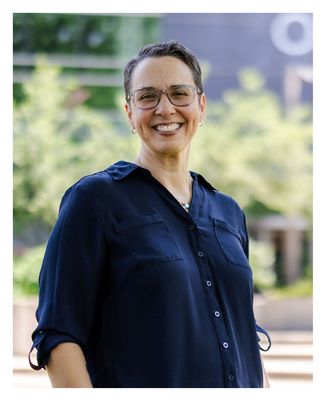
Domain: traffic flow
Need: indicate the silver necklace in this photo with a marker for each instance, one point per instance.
(186, 205)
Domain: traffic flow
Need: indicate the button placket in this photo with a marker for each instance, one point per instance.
(220, 328)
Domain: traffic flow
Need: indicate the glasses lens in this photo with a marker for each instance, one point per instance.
(146, 99)
(182, 95)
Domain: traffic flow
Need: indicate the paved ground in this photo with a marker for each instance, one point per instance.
(288, 363)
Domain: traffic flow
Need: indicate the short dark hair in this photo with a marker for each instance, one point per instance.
(172, 49)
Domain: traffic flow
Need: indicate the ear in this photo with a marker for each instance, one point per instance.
(203, 102)
(128, 110)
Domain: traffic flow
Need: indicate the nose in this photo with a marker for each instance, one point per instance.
(165, 107)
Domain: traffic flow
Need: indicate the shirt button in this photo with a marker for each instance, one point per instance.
(217, 314)
(231, 378)
(191, 227)
(208, 283)
(225, 345)
(200, 253)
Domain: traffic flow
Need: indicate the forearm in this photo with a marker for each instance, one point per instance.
(67, 367)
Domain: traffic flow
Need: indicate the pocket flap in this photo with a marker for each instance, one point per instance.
(137, 221)
(227, 227)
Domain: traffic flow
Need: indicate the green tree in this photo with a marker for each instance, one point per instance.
(55, 145)
(78, 35)
(251, 150)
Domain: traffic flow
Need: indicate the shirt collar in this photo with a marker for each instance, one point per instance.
(121, 169)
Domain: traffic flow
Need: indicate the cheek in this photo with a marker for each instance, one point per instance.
(194, 116)
(140, 120)
(144, 124)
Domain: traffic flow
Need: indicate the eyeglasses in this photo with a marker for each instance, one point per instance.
(178, 95)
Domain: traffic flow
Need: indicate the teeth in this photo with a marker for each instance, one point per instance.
(167, 128)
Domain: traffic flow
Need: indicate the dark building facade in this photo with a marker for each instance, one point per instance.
(278, 45)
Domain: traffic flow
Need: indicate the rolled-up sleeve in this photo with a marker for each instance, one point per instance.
(70, 276)
(261, 330)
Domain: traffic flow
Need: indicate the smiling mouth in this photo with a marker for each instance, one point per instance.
(167, 127)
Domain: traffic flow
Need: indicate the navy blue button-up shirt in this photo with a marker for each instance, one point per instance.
(154, 296)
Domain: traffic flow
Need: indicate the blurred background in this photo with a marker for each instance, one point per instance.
(255, 144)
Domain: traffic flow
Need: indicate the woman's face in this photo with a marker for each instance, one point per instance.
(166, 129)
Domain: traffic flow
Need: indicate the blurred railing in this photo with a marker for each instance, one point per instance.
(80, 61)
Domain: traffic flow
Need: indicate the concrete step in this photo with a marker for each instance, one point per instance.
(286, 351)
(290, 357)
(35, 379)
(291, 337)
(283, 382)
(21, 364)
(293, 369)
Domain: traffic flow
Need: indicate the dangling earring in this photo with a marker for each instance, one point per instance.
(133, 130)
(200, 124)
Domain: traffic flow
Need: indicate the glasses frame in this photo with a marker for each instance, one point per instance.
(160, 92)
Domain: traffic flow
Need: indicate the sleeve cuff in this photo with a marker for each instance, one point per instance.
(259, 329)
(45, 342)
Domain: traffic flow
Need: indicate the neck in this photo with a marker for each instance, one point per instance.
(171, 171)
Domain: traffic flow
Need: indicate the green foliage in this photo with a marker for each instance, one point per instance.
(261, 258)
(102, 97)
(117, 36)
(249, 149)
(26, 270)
(78, 33)
(55, 145)
(301, 288)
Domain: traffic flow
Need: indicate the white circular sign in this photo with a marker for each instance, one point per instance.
(281, 38)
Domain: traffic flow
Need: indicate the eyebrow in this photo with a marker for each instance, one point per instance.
(171, 86)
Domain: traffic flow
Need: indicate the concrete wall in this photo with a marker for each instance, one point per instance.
(284, 314)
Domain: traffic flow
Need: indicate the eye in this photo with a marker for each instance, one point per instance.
(147, 96)
(180, 93)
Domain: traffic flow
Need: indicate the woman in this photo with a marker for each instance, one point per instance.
(145, 280)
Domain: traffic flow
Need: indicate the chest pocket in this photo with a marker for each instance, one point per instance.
(230, 242)
(148, 239)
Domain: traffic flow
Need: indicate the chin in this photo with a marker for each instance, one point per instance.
(169, 149)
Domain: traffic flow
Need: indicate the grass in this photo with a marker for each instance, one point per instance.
(301, 288)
